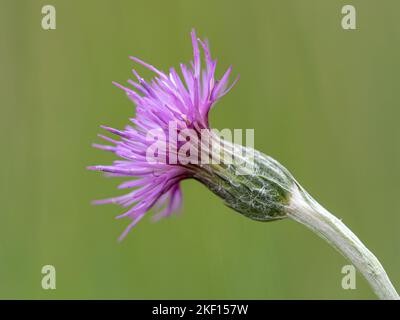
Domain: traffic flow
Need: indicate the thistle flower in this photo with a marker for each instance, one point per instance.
(166, 99)
(248, 181)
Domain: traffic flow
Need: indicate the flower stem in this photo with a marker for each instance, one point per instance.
(304, 209)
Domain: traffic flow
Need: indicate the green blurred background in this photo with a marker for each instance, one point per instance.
(322, 100)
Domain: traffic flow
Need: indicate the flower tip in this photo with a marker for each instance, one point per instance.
(96, 146)
(120, 86)
(99, 168)
(121, 237)
(135, 59)
(109, 129)
(103, 147)
(120, 216)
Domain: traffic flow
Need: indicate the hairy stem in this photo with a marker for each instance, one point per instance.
(304, 209)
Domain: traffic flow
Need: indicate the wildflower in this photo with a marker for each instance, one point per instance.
(253, 183)
(259, 193)
(167, 98)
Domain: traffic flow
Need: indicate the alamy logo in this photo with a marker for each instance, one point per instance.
(349, 18)
(187, 146)
(49, 278)
(49, 18)
(349, 280)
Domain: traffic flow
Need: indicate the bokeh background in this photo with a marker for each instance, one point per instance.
(322, 100)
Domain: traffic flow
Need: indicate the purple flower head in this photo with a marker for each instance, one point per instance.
(168, 98)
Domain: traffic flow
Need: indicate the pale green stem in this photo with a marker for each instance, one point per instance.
(304, 209)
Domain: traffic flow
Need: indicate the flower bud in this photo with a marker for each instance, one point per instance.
(251, 182)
